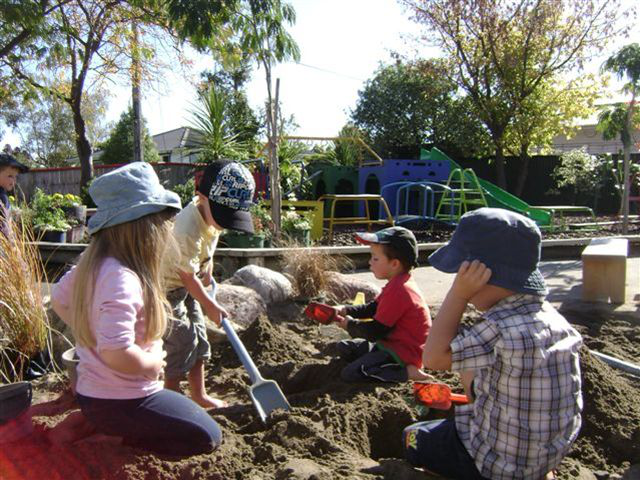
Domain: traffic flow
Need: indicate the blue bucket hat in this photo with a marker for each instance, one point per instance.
(506, 242)
(128, 193)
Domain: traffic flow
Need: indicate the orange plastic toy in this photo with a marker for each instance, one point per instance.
(437, 395)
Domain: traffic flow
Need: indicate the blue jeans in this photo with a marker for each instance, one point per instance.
(435, 446)
(165, 422)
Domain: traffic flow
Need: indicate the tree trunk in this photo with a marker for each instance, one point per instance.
(83, 146)
(501, 177)
(523, 173)
(627, 158)
(274, 167)
(138, 145)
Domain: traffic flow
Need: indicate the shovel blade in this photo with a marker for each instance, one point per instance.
(267, 397)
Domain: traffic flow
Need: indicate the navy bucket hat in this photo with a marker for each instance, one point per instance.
(128, 193)
(506, 242)
(229, 187)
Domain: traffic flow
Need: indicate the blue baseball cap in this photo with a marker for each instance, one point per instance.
(506, 242)
(400, 238)
(229, 187)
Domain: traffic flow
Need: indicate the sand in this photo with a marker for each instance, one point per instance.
(334, 430)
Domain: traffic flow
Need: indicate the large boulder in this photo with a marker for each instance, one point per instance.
(243, 305)
(272, 286)
(341, 288)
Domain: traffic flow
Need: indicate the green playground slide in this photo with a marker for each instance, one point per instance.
(495, 196)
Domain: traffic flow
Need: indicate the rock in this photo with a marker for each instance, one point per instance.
(243, 304)
(272, 286)
(343, 288)
(301, 469)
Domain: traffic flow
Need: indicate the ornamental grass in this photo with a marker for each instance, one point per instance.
(23, 320)
(308, 269)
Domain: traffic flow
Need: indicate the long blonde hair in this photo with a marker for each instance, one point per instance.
(138, 245)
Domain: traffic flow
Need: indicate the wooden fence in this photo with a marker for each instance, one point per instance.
(67, 179)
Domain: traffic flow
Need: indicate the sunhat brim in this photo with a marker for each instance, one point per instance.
(105, 218)
(449, 258)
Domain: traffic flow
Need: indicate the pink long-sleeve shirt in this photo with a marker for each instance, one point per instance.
(117, 322)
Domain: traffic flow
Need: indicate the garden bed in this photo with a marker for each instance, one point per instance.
(336, 430)
(570, 227)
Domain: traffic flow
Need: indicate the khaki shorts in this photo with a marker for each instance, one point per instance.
(186, 338)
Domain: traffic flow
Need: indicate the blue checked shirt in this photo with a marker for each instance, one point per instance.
(527, 387)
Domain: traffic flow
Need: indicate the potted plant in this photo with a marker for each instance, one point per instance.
(297, 226)
(47, 219)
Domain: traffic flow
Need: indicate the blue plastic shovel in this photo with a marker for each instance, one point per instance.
(265, 394)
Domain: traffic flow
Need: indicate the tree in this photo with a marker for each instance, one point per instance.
(501, 51)
(87, 43)
(119, 147)
(217, 138)
(625, 64)
(239, 116)
(406, 105)
(549, 111)
(45, 126)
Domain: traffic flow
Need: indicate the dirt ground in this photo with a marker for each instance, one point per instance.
(333, 430)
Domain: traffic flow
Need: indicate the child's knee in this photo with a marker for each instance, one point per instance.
(352, 373)
(410, 444)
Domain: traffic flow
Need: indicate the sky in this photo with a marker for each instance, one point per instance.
(342, 43)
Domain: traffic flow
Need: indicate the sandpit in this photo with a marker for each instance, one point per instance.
(334, 430)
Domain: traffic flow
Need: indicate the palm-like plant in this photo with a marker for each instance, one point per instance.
(216, 138)
(626, 64)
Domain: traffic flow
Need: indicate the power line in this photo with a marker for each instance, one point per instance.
(330, 71)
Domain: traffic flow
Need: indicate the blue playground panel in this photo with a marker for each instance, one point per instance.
(371, 179)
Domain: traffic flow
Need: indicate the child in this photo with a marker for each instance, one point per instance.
(114, 301)
(223, 199)
(401, 319)
(520, 363)
(10, 167)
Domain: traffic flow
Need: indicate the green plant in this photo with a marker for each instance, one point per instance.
(293, 220)
(262, 221)
(185, 191)
(46, 214)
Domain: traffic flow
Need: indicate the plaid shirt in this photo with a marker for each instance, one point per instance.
(527, 387)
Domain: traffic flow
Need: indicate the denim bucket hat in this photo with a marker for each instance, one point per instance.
(128, 193)
(506, 242)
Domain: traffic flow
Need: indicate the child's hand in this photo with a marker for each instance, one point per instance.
(215, 312)
(342, 321)
(471, 277)
(156, 364)
(340, 310)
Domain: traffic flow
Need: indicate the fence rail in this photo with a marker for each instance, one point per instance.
(67, 179)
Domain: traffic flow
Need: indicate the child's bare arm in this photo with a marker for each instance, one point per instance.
(194, 286)
(471, 277)
(135, 361)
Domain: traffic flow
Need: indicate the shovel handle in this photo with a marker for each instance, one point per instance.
(235, 341)
(241, 351)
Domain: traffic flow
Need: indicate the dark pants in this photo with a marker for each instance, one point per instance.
(165, 422)
(368, 362)
(435, 446)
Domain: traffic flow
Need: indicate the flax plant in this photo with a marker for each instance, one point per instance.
(24, 328)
